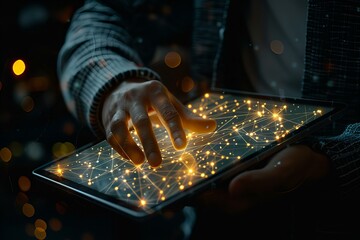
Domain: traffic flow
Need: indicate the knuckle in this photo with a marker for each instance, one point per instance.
(169, 114)
(140, 119)
(155, 86)
(115, 125)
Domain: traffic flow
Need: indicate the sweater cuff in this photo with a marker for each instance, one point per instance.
(104, 77)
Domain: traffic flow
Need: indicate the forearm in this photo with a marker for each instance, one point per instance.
(344, 154)
(95, 58)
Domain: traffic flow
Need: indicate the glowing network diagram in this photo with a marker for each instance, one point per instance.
(244, 126)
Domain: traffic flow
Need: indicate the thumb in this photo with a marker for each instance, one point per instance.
(192, 121)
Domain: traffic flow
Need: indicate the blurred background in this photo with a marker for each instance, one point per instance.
(36, 127)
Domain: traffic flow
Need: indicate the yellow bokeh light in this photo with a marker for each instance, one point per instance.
(40, 223)
(18, 67)
(40, 233)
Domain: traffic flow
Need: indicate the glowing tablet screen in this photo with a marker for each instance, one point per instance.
(244, 126)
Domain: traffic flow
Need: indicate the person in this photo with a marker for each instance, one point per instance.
(111, 82)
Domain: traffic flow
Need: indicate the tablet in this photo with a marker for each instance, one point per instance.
(249, 129)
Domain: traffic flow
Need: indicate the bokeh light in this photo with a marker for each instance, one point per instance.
(277, 47)
(87, 236)
(5, 154)
(172, 59)
(28, 210)
(40, 223)
(16, 148)
(60, 149)
(27, 104)
(40, 233)
(55, 224)
(21, 199)
(29, 229)
(34, 150)
(24, 183)
(187, 84)
(18, 67)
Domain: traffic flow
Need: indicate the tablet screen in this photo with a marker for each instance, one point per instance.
(246, 128)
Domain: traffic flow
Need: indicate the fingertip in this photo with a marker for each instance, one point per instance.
(179, 143)
(137, 157)
(154, 159)
(210, 125)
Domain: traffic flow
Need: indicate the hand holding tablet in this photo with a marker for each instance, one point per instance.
(249, 129)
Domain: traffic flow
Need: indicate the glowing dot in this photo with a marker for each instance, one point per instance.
(172, 59)
(5, 154)
(128, 195)
(181, 187)
(28, 210)
(116, 188)
(277, 47)
(143, 202)
(164, 179)
(163, 198)
(18, 67)
(24, 183)
(207, 95)
(81, 176)
(40, 233)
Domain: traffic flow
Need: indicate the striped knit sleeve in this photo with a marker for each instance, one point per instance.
(95, 57)
(344, 152)
(332, 72)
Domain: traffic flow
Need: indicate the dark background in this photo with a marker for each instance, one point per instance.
(36, 127)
